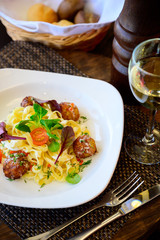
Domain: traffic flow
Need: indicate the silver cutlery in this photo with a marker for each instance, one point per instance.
(156, 132)
(110, 199)
(127, 207)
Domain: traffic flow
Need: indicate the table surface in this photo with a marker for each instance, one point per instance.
(145, 224)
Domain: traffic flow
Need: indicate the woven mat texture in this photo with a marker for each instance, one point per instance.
(29, 222)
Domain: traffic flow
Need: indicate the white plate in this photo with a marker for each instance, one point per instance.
(97, 100)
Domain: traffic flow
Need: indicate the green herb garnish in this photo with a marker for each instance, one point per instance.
(84, 118)
(84, 164)
(73, 178)
(50, 125)
(21, 163)
(48, 174)
(42, 185)
(37, 121)
(22, 126)
(40, 112)
(9, 179)
(39, 167)
(53, 146)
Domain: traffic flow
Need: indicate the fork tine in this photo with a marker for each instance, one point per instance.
(128, 195)
(126, 186)
(124, 183)
(127, 190)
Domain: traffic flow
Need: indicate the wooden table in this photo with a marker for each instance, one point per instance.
(145, 224)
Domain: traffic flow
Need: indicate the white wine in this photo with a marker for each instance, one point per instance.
(144, 81)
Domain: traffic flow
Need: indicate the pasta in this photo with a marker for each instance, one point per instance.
(44, 167)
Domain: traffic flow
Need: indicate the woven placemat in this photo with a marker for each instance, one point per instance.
(29, 222)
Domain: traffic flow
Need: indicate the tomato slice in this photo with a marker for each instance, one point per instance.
(12, 152)
(39, 136)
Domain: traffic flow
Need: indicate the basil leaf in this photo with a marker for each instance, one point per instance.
(57, 126)
(35, 118)
(50, 123)
(52, 135)
(22, 126)
(73, 178)
(41, 112)
(54, 146)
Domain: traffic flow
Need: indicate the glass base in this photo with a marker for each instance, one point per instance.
(142, 153)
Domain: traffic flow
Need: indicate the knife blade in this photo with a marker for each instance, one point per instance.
(127, 207)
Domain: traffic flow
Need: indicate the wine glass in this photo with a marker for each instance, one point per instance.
(144, 81)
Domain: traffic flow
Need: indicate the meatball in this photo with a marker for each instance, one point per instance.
(15, 165)
(84, 146)
(27, 101)
(69, 111)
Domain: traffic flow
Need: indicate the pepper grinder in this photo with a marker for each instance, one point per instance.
(139, 20)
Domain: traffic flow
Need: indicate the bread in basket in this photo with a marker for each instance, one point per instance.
(84, 36)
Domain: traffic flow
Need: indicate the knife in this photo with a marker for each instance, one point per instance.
(127, 207)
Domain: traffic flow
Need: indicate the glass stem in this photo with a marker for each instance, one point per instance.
(149, 139)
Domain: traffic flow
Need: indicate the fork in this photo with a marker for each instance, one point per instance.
(110, 199)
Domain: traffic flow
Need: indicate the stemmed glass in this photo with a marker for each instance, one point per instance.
(144, 81)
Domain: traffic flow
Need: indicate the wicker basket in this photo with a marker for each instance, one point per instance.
(86, 41)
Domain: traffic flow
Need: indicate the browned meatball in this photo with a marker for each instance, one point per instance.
(69, 111)
(27, 101)
(84, 146)
(15, 165)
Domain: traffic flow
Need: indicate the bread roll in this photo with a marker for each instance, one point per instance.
(68, 8)
(41, 12)
(63, 23)
(86, 17)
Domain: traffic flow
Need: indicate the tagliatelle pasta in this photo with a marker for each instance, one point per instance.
(43, 166)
